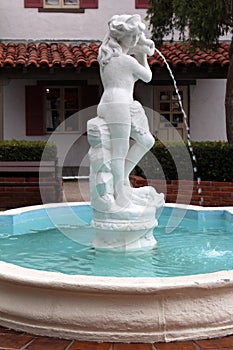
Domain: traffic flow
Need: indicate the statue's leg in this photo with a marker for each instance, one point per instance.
(141, 134)
(117, 117)
(143, 143)
(120, 145)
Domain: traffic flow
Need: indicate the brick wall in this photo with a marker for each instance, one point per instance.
(188, 192)
(23, 191)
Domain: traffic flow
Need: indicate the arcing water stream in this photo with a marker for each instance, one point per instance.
(194, 160)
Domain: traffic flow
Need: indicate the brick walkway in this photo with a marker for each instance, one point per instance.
(13, 340)
(76, 191)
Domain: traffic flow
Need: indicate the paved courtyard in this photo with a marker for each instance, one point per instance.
(13, 340)
(76, 190)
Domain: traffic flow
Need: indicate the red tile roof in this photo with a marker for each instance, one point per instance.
(176, 55)
(85, 54)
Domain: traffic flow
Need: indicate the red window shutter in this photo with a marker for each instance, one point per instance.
(35, 125)
(33, 3)
(88, 4)
(89, 96)
(141, 4)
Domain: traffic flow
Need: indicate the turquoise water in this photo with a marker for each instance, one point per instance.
(199, 244)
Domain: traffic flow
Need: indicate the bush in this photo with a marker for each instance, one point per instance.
(214, 161)
(14, 150)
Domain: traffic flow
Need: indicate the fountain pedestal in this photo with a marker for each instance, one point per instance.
(120, 240)
(124, 234)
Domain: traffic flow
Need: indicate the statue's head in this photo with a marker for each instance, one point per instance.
(124, 31)
(124, 25)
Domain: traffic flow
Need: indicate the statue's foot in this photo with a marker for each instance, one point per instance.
(129, 211)
(146, 195)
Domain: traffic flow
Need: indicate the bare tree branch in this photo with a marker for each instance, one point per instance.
(228, 16)
(228, 22)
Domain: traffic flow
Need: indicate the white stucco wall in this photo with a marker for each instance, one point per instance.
(14, 126)
(207, 113)
(14, 109)
(20, 23)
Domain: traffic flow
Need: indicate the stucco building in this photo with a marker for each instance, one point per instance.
(49, 73)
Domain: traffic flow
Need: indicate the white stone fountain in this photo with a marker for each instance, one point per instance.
(105, 308)
(124, 217)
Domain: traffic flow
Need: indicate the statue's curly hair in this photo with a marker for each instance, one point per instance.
(119, 26)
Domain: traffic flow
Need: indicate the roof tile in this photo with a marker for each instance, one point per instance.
(85, 54)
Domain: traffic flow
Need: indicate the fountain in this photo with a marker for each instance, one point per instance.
(38, 295)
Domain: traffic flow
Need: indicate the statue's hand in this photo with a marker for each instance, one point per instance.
(143, 45)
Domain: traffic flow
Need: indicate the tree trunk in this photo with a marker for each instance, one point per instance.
(229, 97)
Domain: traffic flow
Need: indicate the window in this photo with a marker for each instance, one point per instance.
(61, 4)
(166, 103)
(141, 4)
(55, 108)
(62, 103)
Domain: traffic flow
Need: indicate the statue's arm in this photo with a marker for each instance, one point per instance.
(143, 48)
(140, 67)
(143, 67)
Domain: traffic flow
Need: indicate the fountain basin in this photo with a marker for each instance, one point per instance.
(126, 309)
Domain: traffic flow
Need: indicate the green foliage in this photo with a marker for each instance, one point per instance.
(160, 13)
(152, 165)
(214, 162)
(14, 150)
(207, 20)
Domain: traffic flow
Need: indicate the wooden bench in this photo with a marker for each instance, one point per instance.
(34, 166)
(25, 183)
